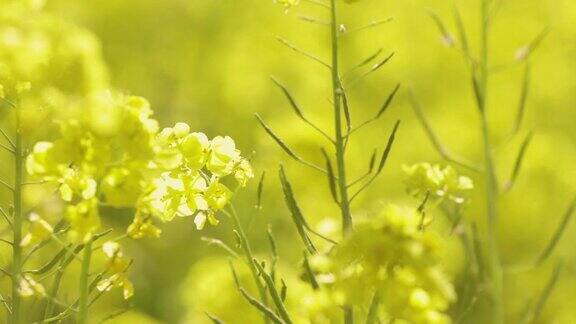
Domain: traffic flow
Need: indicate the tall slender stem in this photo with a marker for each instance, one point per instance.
(494, 264)
(337, 93)
(247, 250)
(85, 273)
(17, 221)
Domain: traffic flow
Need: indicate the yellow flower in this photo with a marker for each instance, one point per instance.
(195, 150)
(223, 156)
(117, 266)
(29, 287)
(39, 231)
(84, 219)
(243, 172)
(142, 226)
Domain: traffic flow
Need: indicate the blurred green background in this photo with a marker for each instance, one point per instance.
(207, 62)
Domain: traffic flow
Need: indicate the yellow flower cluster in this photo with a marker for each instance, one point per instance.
(130, 163)
(386, 255)
(38, 53)
(439, 182)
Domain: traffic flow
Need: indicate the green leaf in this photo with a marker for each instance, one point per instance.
(289, 97)
(441, 27)
(331, 176)
(544, 295)
(388, 101)
(285, 147)
(283, 290)
(260, 190)
(558, 233)
(276, 298)
(388, 148)
(309, 273)
(253, 301)
(461, 29)
(50, 264)
(523, 98)
(372, 316)
(440, 148)
(214, 319)
(346, 108)
(295, 211)
(519, 160)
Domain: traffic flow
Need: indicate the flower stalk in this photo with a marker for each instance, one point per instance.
(17, 220)
(84, 276)
(337, 93)
(494, 263)
(247, 251)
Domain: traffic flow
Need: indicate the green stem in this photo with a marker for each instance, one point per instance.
(494, 263)
(337, 93)
(247, 250)
(85, 273)
(17, 222)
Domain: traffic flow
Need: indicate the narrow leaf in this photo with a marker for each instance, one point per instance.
(309, 273)
(382, 163)
(388, 101)
(519, 160)
(523, 98)
(254, 302)
(214, 319)
(221, 244)
(445, 153)
(289, 97)
(346, 108)
(372, 162)
(382, 63)
(388, 148)
(297, 109)
(446, 37)
(295, 211)
(283, 290)
(372, 316)
(559, 232)
(545, 295)
(524, 53)
(260, 191)
(276, 298)
(331, 177)
(367, 60)
(48, 266)
(285, 147)
(300, 51)
(461, 29)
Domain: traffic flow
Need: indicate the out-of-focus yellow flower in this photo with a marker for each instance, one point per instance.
(84, 219)
(142, 226)
(439, 182)
(391, 255)
(28, 287)
(287, 3)
(39, 231)
(117, 267)
(243, 172)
